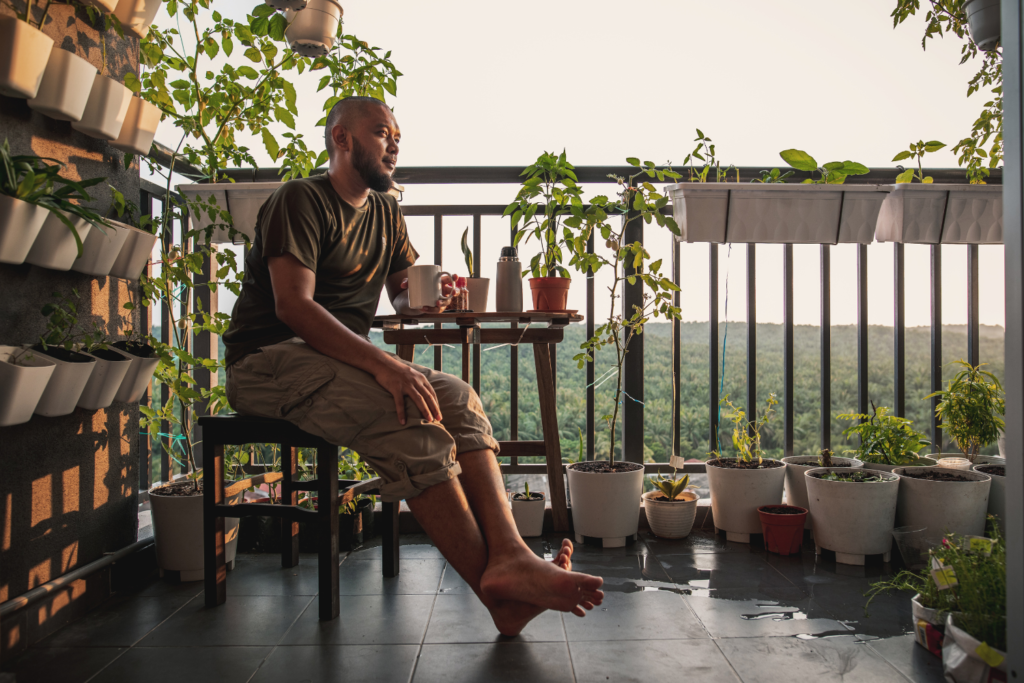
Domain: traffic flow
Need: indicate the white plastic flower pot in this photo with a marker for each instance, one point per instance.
(55, 246)
(737, 493)
(478, 288)
(105, 111)
(105, 380)
(996, 494)
(20, 223)
(242, 200)
(529, 516)
(295, 5)
(942, 507)
(24, 51)
(984, 22)
(134, 255)
(883, 467)
(101, 249)
(670, 519)
(67, 383)
(962, 660)
(136, 16)
(926, 213)
(178, 532)
(22, 383)
(136, 379)
(854, 519)
(605, 505)
(65, 87)
(796, 488)
(311, 32)
(139, 127)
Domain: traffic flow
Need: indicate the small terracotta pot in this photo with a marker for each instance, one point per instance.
(550, 293)
(783, 534)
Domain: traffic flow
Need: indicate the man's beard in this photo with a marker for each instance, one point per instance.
(369, 169)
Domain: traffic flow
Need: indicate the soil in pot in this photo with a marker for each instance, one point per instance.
(734, 464)
(783, 510)
(997, 470)
(937, 476)
(135, 349)
(603, 466)
(605, 500)
(524, 497)
(62, 354)
(783, 528)
(853, 477)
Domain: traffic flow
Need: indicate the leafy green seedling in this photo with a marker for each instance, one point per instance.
(832, 173)
(671, 488)
(971, 408)
(772, 176)
(467, 253)
(746, 436)
(705, 153)
(884, 438)
(917, 149)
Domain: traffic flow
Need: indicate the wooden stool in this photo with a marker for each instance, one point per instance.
(235, 430)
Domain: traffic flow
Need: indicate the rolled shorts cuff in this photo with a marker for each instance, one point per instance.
(410, 487)
(467, 443)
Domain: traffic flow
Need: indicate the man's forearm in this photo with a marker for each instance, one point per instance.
(322, 331)
(401, 304)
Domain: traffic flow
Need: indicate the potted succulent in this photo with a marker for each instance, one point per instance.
(528, 512)
(783, 528)
(478, 287)
(886, 441)
(670, 508)
(23, 61)
(796, 465)
(73, 368)
(742, 484)
(605, 494)
(23, 379)
(970, 409)
(64, 90)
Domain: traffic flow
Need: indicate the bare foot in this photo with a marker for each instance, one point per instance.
(511, 617)
(524, 577)
(564, 557)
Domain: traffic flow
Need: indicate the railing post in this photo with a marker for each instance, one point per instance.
(633, 368)
(475, 348)
(973, 326)
(936, 311)
(751, 333)
(676, 352)
(438, 236)
(826, 347)
(862, 329)
(788, 386)
(145, 314)
(899, 334)
(591, 375)
(713, 346)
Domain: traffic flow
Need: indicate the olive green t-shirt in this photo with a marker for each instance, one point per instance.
(351, 250)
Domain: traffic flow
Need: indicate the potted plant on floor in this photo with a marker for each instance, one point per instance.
(886, 441)
(23, 60)
(478, 286)
(528, 512)
(943, 500)
(796, 465)
(670, 507)
(783, 528)
(971, 410)
(605, 494)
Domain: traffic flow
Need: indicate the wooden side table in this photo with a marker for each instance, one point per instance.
(541, 330)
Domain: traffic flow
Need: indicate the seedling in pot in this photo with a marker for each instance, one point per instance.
(884, 438)
(773, 176)
(62, 326)
(672, 488)
(832, 173)
(526, 495)
(917, 149)
(746, 436)
(971, 409)
(705, 153)
(858, 477)
(467, 253)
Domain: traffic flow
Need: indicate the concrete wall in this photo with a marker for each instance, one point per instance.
(68, 485)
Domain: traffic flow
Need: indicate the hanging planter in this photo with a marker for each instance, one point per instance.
(23, 379)
(984, 21)
(24, 51)
(312, 31)
(101, 249)
(136, 378)
(139, 127)
(738, 489)
(56, 247)
(105, 380)
(136, 16)
(242, 200)
(20, 223)
(606, 500)
(64, 91)
(926, 213)
(852, 515)
(105, 111)
(796, 487)
(134, 255)
(943, 500)
(528, 513)
(65, 387)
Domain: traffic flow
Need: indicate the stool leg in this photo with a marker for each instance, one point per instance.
(327, 532)
(289, 528)
(215, 573)
(389, 564)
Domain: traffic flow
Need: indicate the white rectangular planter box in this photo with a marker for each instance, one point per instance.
(242, 200)
(925, 213)
(20, 223)
(101, 249)
(134, 255)
(65, 386)
(55, 246)
(65, 88)
(22, 385)
(104, 113)
(24, 50)
(105, 380)
(776, 213)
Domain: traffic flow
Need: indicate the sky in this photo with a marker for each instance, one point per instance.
(490, 83)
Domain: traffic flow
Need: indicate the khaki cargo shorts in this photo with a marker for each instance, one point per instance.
(346, 406)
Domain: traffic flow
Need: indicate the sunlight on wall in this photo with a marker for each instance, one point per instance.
(101, 460)
(70, 489)
(42, 500)
(69, 557)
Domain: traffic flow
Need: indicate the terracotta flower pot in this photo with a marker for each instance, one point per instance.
(783, 531)
(550, 293)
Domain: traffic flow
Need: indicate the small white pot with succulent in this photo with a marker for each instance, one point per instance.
(528, 512)
(671, 508)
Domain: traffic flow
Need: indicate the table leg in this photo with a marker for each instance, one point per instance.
(552, 447)
(289, 496)
(327, 532)
(405, 351)
(215, 574)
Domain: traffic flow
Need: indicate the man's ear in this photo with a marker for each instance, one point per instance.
(342, 138)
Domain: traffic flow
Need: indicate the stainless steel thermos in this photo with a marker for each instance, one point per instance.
(508, 282)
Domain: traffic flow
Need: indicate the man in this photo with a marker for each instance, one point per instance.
(297, 349)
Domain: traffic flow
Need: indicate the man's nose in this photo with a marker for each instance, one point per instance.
(392, 146)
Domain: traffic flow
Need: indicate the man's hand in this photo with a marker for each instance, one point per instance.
(447, 290)
(400, 380)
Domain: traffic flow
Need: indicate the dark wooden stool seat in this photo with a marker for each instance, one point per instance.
(235, 430)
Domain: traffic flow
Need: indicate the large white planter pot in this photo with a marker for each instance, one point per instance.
(777, 213)
(670, 519)
(883, 467)
(134, 255)
(983, 20)
(136, 16)
(996, 495)
(55, 246)
(990, 460)
(20, 223)
(242, 200)
(529, 516)
(101, 249)
(105, 380)
(65, 87)
(942, 507)
(311, 32)
(22, 385)
(105, 111)
(796, 488)
(961, 662)
(853, 519)
(136, 379)
(178, 532)
(67, 382)
(926, 213)
(478, 288)
(139, 127)
(736, 494)
(605, 505)
(24, 51)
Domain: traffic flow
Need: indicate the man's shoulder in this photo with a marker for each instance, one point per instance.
(387, 200)
(302, 189)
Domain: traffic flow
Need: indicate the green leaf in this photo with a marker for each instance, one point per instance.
(853, 168)
(248, 72)
(906, 177)
(798, 159)
(633, 161)
(933, 146)
(132, 82)
(277, 26)
(253, 54)
(284, 116)
(902, 155)
(271, 144)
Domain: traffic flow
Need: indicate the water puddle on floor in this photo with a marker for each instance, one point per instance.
(775, 616)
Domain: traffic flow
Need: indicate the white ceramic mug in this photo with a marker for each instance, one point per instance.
(425, 286)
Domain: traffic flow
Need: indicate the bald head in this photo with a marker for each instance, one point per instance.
(346, 113)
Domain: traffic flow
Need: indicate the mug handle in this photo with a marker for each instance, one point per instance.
(446, 299)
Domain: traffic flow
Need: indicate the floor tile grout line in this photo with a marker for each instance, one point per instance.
(426, 628)
(568, 649)
(885, 659)
(727, 661)
(283, 636)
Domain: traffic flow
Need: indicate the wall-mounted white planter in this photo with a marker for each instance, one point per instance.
(24, 51)
(311, 32)
(605, 505)
(776, 213)
(670, 519)
(105, 111)
(55, 246)
(853, 519)
(20, 223)
(920, 462)
(737, 493)
(105, 380)
(137, 15)
(101, 249)
(529, 516)
(295, 5)
(242, 200)
(134, 255)
(796, 487)
(136, 379)
(957, 507)
(22, 385)
(925, 213)
(65, 88)
(67, 383)
(139, 128)
(984, 22)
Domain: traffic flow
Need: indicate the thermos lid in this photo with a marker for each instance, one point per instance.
(509, 252)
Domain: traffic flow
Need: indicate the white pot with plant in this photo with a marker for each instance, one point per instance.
(997, 493)
(228, 211)
(73, 369)
(528, 512)
(606, 494)
(478, 287)
(111, 367)
(137, 249)
(102, 249)
(970, 411)
(23, 379)
(943, 500)
(139, 127)
(670, 508)
(311, 32)
(136, 16)
(56, 247)
(741, 484)
(885, 441)
(65, 87)
(796, 465)
(105, 110)
(23, 59)
(144, 360)
(852, 511)
(178, 528)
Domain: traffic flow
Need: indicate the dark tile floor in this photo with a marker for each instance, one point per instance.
(701, 608)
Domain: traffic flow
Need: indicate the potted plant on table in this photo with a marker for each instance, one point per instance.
(796, 465)
(671, 508)
(478, 287)
(886, 441)
(528, 512)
